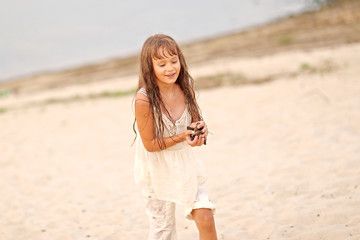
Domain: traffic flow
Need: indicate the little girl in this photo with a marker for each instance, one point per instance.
(166, 169)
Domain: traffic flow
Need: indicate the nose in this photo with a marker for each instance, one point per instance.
(170, 67)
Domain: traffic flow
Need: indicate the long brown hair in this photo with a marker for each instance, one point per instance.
(155, 47)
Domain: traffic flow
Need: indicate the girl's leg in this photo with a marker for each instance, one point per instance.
(161, 218)
(205, 223)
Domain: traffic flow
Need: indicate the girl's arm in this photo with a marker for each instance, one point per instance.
(145, 124)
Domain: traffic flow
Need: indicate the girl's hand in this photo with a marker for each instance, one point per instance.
(201, 124)
(198, 140)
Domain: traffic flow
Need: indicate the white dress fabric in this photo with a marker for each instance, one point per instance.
(173, 174)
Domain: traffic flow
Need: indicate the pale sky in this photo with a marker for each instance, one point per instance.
(39, 35)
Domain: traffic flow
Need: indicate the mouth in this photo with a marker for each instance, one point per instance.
(171, 75)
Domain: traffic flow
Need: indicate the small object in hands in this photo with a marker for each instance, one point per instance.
(197, 132)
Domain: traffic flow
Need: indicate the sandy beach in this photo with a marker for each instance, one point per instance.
(283, 160)
(282, 102)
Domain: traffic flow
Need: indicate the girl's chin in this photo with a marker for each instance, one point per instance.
(171, 79)
(168, 81)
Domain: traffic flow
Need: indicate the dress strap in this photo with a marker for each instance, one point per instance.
(143, 91)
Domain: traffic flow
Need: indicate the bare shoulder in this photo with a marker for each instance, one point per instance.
(141, 102)
(143, 113)
(141, 96)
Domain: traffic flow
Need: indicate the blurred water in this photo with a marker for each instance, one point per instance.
(40, 35)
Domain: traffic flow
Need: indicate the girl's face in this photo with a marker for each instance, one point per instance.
(167, 68)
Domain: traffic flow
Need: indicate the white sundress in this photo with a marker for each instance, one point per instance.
(173, 174)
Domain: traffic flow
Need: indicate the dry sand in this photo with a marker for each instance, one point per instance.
(283, 161)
